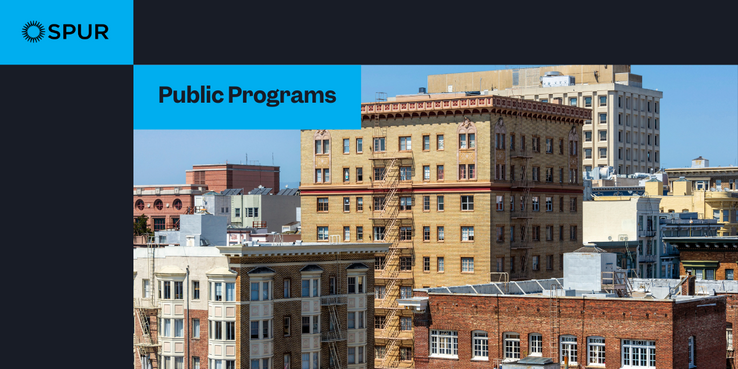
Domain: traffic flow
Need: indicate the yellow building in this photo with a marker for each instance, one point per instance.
(683, 197)
(462, 186)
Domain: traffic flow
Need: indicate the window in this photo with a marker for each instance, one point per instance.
(536, 344)
(467, 171)
(549, 175)
(379, 203)
(500, 205)
(426, 233)
(549, 146)
(596, 351)
(536, 142)
(426, 143)
(406, 292)
(356, 284)
(588, 153)
(195, 328)
(264, 287)
(379, 144)
(638, 354)
(573, 233)
(439, 261)
(380, 351)
(359, 233)
(406, 233)
(359, 145)
(573, 204)
(536, 203)
(603, 100)
(322, 233)
(322, 147)
(345, 145)
(467, 265)
(406, 263)
(426, 172)
(406, 353)
(511, 345)
(467, 233)
(305, 291)
(480, 344)
(379, 322)
(378, 233)
(500, 171)
(322, 175)
(322, 204)
(311, 324)
(536, 174)
(550, 237)
(426, 264)
(603, 118)
(379, 292)
(549, 203)
(406, 203)
(729, 274)
(346, 204)
(405, 143)
(379, 174)
(467, 203)
(439, 172)
(569, 349)
(603, 153)
(346, 175)
(406, 173)
(347, 233)
(535, 260)
(500, 141)
(573, 101)
(466, 141)
(195, 362)
(500, 234)
(359, 204)
(287, 284)
(444, 343)
(439, 231)
(439, 142)
(587, 102)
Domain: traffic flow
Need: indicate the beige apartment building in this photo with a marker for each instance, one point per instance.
(461, 185)
(624, 131)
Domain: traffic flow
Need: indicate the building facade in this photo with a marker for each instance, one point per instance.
(165, 204)
(264, 210)
(624, 131)
(612, 221)
(577, 321)
(461, 186)
(220, 177)
(260, 305)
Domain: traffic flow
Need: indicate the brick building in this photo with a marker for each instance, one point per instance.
(481, 326)
(165, 204)
(461, 185)
(220, 177)
(709, 258)
(260, 305)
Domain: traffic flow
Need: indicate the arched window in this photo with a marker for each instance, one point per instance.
(140, 204)
(177, 204)
(596, 351)
(480, 345)
(158, 204)
(511, 345)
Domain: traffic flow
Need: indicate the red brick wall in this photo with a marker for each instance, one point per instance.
(614, 319)
(221, 177)
(165, 212)
(706, 322)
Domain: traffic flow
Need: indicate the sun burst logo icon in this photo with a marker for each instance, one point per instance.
(33, 31)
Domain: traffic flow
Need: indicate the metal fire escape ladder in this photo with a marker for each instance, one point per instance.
(144, 343)
(389, 217)
(522, 156)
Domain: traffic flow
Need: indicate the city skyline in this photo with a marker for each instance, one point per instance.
(700, 105)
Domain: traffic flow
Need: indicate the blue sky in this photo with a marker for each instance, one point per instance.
(699, 116)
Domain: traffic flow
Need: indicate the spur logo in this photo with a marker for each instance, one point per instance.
(34, 31)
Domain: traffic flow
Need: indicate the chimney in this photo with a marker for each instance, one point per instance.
(688, 286)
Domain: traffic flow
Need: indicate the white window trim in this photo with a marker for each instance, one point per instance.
(483, 341)
(452, 343)
(530, 344)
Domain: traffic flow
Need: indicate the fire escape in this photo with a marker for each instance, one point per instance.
(336, 332)
(520, 214)
(142, 310)
(387, 221)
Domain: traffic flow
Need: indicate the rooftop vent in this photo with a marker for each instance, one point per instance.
(421, 90)
(552, 73)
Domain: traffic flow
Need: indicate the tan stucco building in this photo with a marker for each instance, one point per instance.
(624, 131)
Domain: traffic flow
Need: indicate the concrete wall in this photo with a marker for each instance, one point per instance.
(583, 270)
(210, 227)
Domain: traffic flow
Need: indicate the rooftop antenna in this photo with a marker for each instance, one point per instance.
(272, 158)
